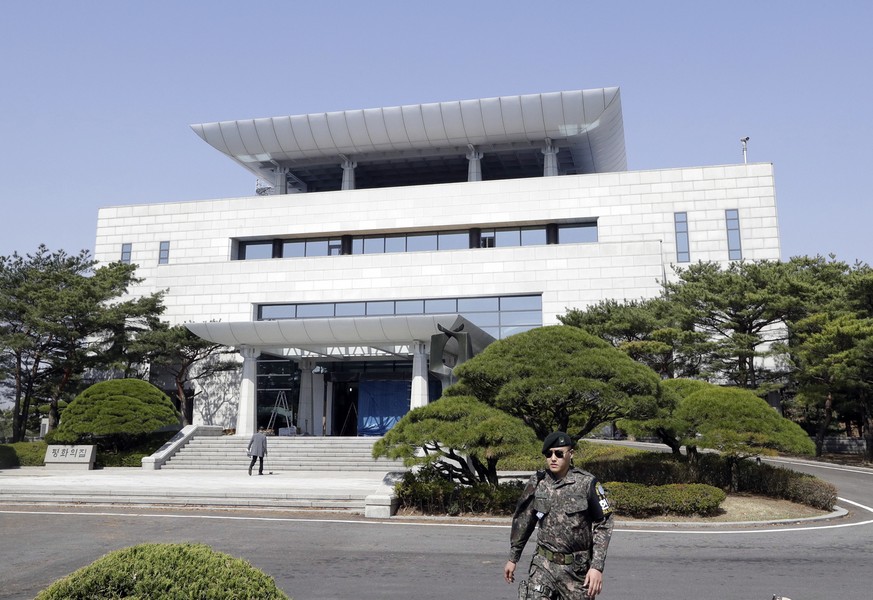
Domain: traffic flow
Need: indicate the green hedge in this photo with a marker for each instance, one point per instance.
(639, 500)
(712, 469)
(779, 482)
(22, 454)
(166, 571)
(431, 493)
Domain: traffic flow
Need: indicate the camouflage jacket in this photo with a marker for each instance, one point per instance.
(573, 514)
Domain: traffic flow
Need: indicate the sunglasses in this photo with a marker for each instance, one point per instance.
(557, 453)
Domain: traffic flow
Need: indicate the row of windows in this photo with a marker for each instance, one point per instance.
(683, 251)
(163, 253)
(500, 316)
(575, 233)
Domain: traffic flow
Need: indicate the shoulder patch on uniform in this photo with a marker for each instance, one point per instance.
(601, 499)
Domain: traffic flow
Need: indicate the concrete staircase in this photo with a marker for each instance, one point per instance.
(284, 454)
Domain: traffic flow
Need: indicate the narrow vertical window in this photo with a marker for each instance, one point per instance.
(683, 253)
(164, 253)
(125, 253)
(735, 250)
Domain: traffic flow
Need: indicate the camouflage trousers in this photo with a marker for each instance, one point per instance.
(549, 580)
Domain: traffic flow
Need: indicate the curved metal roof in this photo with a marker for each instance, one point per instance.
(585, 124)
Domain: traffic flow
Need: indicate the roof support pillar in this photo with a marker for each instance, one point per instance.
(550, 164)
(474, 166)
(281, 186)
(247, 415)
(348, 173)
(418, 396)
(306, 399)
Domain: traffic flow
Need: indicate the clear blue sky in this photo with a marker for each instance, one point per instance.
(97, 96)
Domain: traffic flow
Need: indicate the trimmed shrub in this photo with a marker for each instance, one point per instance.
(648, 469)
(167, 571)
(431, 492)
(778, 482)
(22, 454)
(638, 500)
(115, 414)
(133, 455)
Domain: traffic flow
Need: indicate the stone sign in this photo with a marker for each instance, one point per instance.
(70, 457)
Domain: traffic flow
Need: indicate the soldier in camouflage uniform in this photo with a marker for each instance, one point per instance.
(575, 527)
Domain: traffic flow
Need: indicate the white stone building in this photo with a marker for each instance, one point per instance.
(380, 224)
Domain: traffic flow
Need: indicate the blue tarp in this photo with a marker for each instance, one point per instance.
(381, 404)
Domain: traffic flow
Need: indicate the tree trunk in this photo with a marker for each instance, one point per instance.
(734, 474)
(823, 425)
(669, 440)
(182, 400)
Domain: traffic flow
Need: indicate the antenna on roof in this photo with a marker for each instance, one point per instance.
(745, 141)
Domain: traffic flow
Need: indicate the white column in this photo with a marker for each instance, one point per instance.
(474, 166)
(246, 420)
(348, 173)
(550, 164)
(319, 402)
(305, 402)
(418, 396)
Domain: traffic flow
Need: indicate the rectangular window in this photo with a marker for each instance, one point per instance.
(126, 250)
(486, 240)
(316, 247)
(581, 233)
(380, 308)
(454, 241)
(293, 249)
(395, 243)
(508, 303)
(350, 309)
(334, 247)
(310, 311)
(164, 253)
(409, 307)
(255, 250)
(507, 237)
(683, 254)
(374, 245)
(735, 250)
(533, 236)
(466, 305)
(421, 242)
(269, 312)
(440, 306)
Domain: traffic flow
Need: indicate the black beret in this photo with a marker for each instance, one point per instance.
(556, 439)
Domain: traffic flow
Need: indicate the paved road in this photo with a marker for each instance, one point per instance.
(339, 559)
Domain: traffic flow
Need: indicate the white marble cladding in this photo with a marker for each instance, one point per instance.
(634, 211)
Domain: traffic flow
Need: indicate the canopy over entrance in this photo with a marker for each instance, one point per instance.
(339, 338)
(336, 340)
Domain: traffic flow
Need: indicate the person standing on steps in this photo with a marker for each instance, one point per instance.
(258, 450)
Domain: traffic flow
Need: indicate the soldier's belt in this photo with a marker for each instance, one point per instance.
(557, 557)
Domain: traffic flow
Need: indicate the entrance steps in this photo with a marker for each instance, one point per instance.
(299, 453)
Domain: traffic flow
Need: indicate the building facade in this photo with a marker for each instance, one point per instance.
(376, 227)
